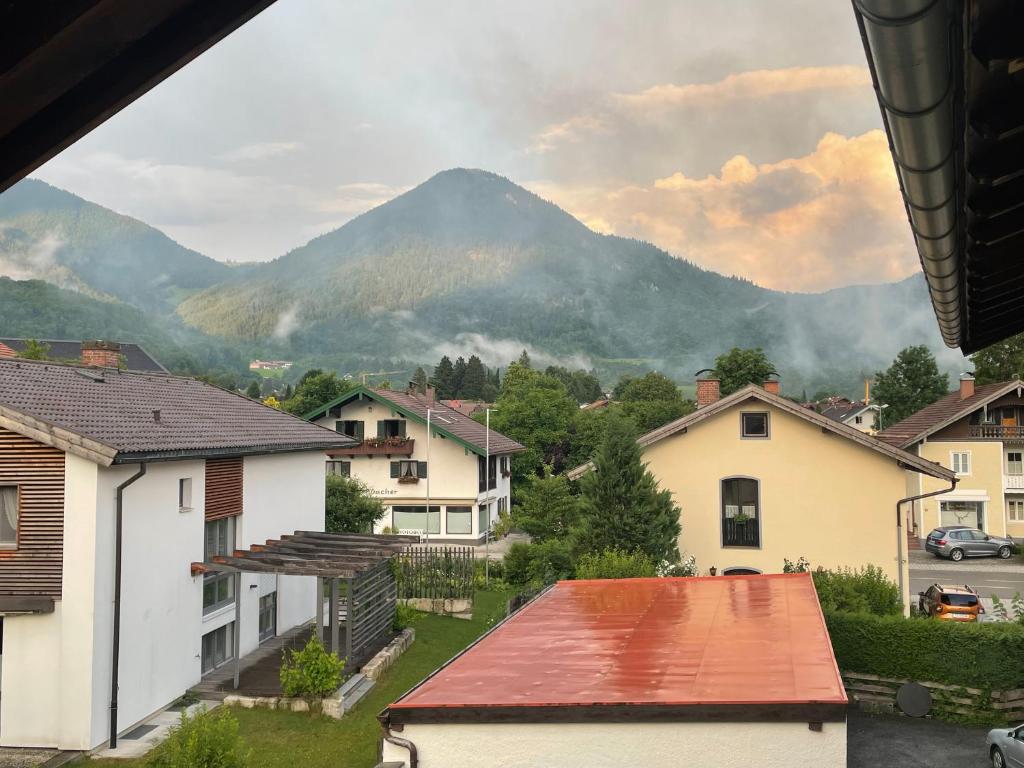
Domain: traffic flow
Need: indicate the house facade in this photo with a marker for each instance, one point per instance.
(104, 472)
(462, 472)
(760, 479)
(864, 417)
(978, 431)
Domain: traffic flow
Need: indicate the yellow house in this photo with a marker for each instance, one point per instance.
(759, 479)
(979, 432)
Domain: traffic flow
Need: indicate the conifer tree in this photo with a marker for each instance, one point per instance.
(458, 376)
(444, 378)
(621, 505)
(474, 379)
(419, 380)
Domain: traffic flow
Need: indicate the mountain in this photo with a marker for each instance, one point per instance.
(467, 262)
(53, 235)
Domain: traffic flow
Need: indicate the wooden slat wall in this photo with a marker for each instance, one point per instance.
(34, 568)
(223, 488)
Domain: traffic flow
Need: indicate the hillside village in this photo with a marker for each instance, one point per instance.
(467, 482)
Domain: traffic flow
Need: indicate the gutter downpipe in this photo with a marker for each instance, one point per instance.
(398, 741)
(899, 527)
(116, 645)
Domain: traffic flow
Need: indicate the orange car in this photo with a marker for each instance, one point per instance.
(952, 602)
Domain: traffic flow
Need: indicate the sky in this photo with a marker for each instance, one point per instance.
(743, 136)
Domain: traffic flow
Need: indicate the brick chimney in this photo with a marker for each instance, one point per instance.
(431, 394)
(772, 385)
(103, 354)
(709, 388)
(966, 385)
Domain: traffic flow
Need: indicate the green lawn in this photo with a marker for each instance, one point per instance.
(288, 739)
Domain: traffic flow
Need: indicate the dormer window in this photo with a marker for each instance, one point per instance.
(754, 425)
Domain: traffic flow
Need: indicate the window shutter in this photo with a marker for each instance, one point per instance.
(359, 430)
(395, 468)
(223, 488)
(401, 428)
(381, 427)
(421, 469)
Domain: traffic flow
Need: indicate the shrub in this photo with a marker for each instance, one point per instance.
(614, 564)
(311, 673)
(481, 570)
(685, 567)
(405, 616)
(538, 564)
(987, 655)
(866, 590)
(516, 563)
(205, 740)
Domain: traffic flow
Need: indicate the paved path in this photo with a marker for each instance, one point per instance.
(895, 741)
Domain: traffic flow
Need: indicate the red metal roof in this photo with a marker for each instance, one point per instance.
(725, 640)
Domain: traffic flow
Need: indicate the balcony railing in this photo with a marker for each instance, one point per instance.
(997, 431)
(740, 533)
(1014, 482)
(378, 446)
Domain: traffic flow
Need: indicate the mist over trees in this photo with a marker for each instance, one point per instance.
(909, 384)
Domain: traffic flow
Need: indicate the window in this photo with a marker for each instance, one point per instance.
(185, 494)
(8, 515)
(969, 513)
(741, 523)
(488, 473)
(415, 519)
(858, 419)
(391, 428)
(342, 468)
(1015, 510)
(504, 467)
(219, 588)
(268, 616)
(408, 471)
(754, 424)
(484, 521)
(353, 429)
(459, 519)
(961, 462)
(218, 647)
(1014, 463)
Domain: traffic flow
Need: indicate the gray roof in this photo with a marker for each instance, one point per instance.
(445, 420)
(843, 411)
(67, 351)
(109, 415)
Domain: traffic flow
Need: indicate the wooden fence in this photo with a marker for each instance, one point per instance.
(372, 597)
(435, 573)
(953, 699)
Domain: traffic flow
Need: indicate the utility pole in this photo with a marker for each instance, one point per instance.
(426, 527)
(487, 499)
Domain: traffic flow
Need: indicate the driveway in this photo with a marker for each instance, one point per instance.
(895, 741)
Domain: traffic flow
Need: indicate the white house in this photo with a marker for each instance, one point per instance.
(726, 671)
(145, 475)
(462, 471)
(864, 417)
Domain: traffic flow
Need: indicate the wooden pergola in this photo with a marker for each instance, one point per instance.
(362, 561)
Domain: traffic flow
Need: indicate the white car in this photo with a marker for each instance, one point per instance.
(1006, 747)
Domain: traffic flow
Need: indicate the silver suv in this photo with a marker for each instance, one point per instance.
(958, 541)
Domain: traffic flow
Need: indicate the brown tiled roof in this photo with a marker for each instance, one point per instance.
(445, 419)
(136, 358)
(110, 414)
(941, 412)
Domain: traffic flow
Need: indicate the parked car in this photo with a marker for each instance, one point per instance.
(949, 602)
(1006, 747)
(958, 541)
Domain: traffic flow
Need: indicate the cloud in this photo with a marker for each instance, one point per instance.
(500, 352)
(287, 323)
(621, 112)
(262, 150)
(359, 197)
(829, 218)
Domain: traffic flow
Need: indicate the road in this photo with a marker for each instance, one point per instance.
(988, 576)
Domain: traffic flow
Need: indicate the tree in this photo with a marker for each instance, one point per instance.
(739, 367)
(547, 508)
(910, 383)
(35, 350)
(474, 379)
(652, 400)
(253, 391)
(621, 505)
(458, 377)
(1000, 362)
(314, 389)
(444, 379)
(583, 386)
(419, 380)
(349, 507)
(524, 359)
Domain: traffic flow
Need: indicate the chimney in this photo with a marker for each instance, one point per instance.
(709, 388)
(104, 354)
(772, 385)
(431, 394)
(966, 385)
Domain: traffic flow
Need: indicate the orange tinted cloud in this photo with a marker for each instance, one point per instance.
(829, 218)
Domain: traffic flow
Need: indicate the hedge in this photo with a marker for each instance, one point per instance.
(988, 655)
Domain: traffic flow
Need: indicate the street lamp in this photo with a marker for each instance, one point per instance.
(426, 525)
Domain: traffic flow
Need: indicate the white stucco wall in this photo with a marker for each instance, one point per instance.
(614, 745)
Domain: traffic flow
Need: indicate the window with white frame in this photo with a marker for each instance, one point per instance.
(218, 647)
(185, 494)
(1015, 463)
(8, 516)
(960, 461)
(1015, 510)
(219, 588)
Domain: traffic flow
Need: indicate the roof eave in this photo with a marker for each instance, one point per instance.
(57, 437)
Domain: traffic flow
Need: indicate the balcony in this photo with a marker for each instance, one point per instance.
(997, 432)
(1013, 482)
(741, 533)
(377, 446)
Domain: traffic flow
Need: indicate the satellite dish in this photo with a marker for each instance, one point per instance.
(914, 699)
